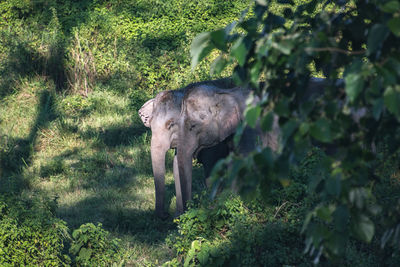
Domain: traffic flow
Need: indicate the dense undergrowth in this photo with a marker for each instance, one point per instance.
(75, 172)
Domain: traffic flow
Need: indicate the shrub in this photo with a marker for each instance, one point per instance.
(30, 234)
(92, 246)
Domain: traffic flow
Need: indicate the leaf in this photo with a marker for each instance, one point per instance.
(252, 114)
(391, 99)
(218, 65)
(376, 36)
(321, 131)
(354, 83)
(238, 134)
(324, 213)
(363, 227)
(267, 122)
(255, 71)
(239, 50)
(304, 128)
(357, 197)
(282, 108)
(391, 7)
(394, 26)
(203, 256)
(200, 48)
(219, 39)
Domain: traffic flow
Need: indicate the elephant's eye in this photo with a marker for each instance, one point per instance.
(169, 124)
(192, 126)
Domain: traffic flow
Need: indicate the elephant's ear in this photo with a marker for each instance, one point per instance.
(227, 114)
(146, 111)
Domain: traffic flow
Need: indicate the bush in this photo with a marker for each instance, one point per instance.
(30, 234)
(92, 246)
(228, 232)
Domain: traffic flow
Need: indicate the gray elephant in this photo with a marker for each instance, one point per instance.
(209, 116)
(162, 115)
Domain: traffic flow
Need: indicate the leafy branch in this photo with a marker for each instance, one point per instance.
(353, 110)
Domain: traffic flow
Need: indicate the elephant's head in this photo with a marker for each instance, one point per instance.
(208, 116)
(161, 115)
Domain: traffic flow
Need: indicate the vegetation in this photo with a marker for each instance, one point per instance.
(358, 116)
(76, 185)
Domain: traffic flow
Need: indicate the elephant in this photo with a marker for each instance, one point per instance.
(210, 115)
(162, 114)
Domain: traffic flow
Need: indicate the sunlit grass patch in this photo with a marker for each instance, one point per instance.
(19, 110)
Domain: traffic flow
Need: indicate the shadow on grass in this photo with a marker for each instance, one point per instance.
(117, 193)
(17, 153)
(114, 136)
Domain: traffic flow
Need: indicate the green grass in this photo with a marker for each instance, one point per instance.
(94, 158)
(92, 154)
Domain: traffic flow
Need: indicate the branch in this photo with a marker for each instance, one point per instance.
(334, 49)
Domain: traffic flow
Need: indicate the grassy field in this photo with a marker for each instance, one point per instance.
(73, 77)
(92, 155)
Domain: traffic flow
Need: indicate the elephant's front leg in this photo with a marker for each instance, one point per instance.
(158, 162)
(178, 189)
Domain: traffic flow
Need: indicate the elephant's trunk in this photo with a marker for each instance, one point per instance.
(184, 156)
(158, 151)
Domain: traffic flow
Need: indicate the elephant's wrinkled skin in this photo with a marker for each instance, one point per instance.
(162, 114)
(209, 115)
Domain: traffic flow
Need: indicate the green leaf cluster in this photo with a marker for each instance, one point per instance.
(91, 245)
(350, 113)
(30, 234)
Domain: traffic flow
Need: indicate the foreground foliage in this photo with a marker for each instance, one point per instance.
(265, 230)
(354, 40)
(30, 234)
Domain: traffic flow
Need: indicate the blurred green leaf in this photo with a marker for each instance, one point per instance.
(376, 36)
(200, 48)
(218, 65)
(239, 50)
(392, 100)
(255, 71)
(219, 39)
(394, 26)
(252, 114)
(324, 213)
(354, 81)
(363, 227)
(321, 131)
(391, 6)
(267, 122)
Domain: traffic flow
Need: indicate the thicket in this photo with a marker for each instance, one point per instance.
(358, 42)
